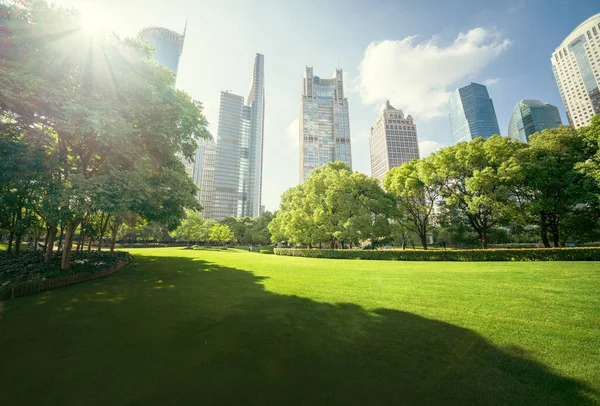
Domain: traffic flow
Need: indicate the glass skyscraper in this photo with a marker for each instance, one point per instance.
(575, 64)
(472, 114)
(324, 124)
(532, 116)
(231, 176)
(168, 45)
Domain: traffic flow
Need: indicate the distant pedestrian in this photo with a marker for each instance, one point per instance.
(250, 248)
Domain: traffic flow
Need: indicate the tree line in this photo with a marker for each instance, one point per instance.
(92, 132)
(498, 190)
(240, 231)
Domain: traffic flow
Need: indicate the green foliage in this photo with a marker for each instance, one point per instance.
(554, 254)
(474, 185)
(220, 234)
(417, 188)
(30, 266)
(98, 131)
(548, 183)
(333, 206)
(194, 228)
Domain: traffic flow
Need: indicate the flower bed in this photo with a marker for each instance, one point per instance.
(27, 274)
(523, 254)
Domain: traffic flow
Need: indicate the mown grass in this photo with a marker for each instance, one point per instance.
(231, 327)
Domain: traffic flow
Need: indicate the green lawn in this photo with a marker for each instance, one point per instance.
(212, 327)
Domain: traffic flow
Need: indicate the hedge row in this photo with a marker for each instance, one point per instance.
(523, 254)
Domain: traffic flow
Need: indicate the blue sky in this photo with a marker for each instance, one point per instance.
(413, 52)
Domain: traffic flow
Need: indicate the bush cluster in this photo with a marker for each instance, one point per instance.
(523, 254)
(29, 266)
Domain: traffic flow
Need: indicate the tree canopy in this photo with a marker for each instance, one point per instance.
(111, 128)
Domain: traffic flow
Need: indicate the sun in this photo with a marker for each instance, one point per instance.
(94, 22)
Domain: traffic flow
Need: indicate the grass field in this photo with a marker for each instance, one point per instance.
(211, 327)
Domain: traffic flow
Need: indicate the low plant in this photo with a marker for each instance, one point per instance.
(522, 254)
(29, 266)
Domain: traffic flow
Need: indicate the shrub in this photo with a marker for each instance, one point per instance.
(266, 251)
(29, 266)
(523, 254)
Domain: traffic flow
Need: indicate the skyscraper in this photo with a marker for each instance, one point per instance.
(472, 113)
(392, 142)
(575, 65)
(256, 107)
(324, 124)
(231, 176)
(229, 171)
(168, 45)
(531, 116)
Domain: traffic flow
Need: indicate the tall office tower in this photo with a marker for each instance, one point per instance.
(532, 116)
(472, 114)
(576, 68)
(231, 140)
(168, 45)
(324, 124)
(255, 104)
(206, 179)
(392, 142)
(237, 186)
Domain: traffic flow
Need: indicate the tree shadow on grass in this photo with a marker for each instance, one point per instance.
(207, 334)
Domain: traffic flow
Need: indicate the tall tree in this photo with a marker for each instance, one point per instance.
(417, 189)
(110, 106)
(474, 184)
(548, 180)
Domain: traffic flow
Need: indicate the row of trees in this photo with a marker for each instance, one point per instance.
(246, 230)
(91, 131)
(334, 206)
(194, 228)
(546, 190)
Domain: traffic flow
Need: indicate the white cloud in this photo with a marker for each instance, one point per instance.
(418, 77)
(292, 132)
(427, 148)
(491, 81)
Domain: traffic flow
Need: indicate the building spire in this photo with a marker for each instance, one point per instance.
(185, 26)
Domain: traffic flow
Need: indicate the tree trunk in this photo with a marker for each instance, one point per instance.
(555, 237)
(544, 230)
(65, 264)
(60, 238)
(47, 237)
(19, 233)
(90, 244)
(113, 236)
(50, 243)
(423, 241)
(18, 243)
(483, 235)
(103, 225)
(11, 235)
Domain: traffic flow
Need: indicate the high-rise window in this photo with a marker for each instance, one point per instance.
(472, 113)
(324, 126)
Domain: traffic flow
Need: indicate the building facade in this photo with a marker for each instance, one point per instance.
(324, 124)
(255, 104)
(230, 171)
(392, 142)
(532, 116)
(472, 113)
(168, 45)
(576, 66)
